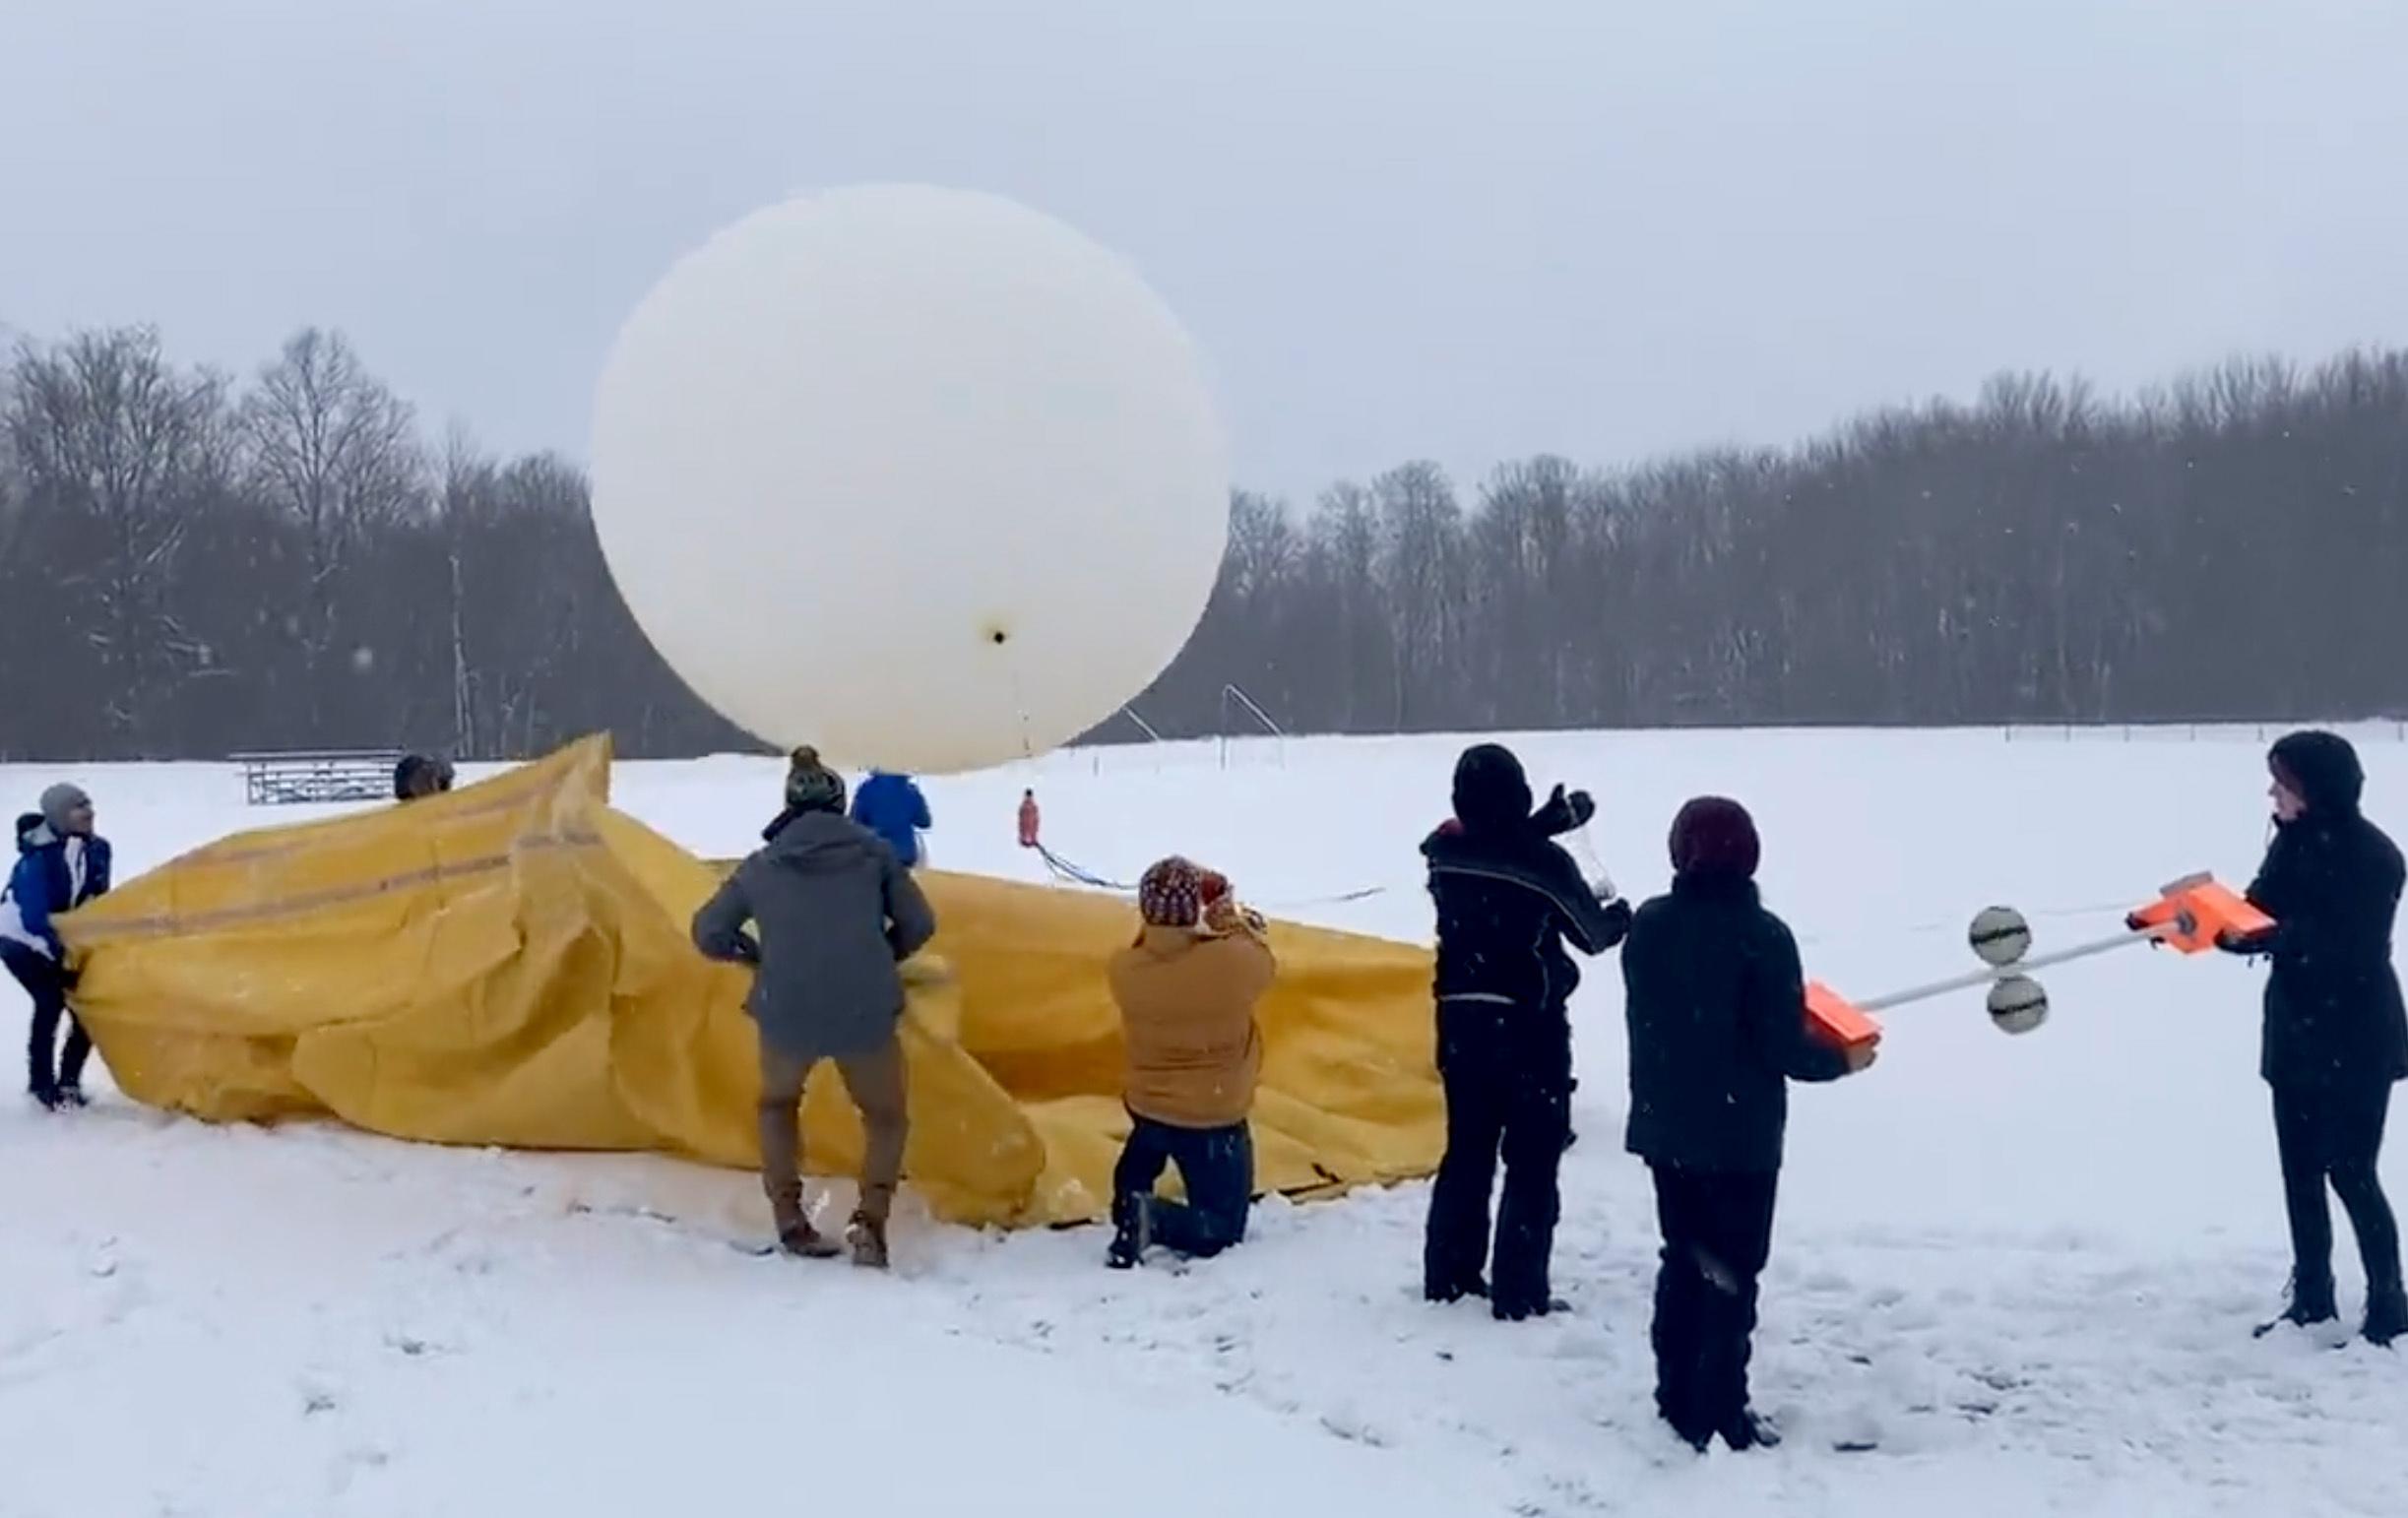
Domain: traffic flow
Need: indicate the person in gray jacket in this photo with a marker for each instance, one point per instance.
(835, 913)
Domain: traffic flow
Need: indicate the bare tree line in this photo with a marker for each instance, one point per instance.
(192, 565)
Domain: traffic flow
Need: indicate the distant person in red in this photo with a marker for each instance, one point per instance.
(1028, 819)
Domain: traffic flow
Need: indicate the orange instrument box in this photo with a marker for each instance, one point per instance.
(1835, 1020)
(2196, 912)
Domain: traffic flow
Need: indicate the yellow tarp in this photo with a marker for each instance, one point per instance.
(508, 965)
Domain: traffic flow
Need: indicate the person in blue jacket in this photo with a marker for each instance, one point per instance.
(891, 806)
(61, 864)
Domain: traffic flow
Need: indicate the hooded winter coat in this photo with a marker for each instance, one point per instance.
(2331, 881)
(893, 807)
(1508, 898)
(55, 872)
(1715, 999)
(836, 913)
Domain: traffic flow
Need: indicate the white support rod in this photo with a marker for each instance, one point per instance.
(1228, 692)
(1995, 973)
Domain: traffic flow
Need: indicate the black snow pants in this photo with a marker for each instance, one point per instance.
(46, 985)
(1507, 1072)
(2335, 1134)
(1717, 1236)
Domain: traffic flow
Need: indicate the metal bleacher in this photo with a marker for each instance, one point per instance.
(317, 776)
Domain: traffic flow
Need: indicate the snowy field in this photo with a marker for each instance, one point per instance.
(2024, 1270)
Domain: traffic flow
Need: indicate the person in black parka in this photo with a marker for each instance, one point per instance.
(1508, 899)
(1716, 1006)
(2337, 1035)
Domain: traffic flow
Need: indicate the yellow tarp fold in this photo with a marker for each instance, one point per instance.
(508, 965)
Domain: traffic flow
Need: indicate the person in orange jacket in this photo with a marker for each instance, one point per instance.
(1187, 990)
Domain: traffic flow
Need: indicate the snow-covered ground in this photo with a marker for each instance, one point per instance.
(2026, 1270)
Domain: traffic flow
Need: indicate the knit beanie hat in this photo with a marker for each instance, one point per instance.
(810, 785)
(1491, 793)
(58, 802)
(1713, 837)
(417, 771)
(1170, 894)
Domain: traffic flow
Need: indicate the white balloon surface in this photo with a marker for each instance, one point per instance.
(917, 475)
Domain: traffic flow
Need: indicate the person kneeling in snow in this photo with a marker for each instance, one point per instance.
(837, 914)
(1507, 899)
(61, 864)
(1716, 1005)
(1187, 990)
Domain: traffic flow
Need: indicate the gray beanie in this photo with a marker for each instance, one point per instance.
(810, 785)
(58, 802)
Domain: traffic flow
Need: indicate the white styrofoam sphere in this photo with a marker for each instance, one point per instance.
(1999, 935)
(917, 475)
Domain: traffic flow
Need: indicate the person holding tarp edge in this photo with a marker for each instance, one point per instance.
(837, 914)
(61, 864)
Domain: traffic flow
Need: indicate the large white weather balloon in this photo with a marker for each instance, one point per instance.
(917, 475)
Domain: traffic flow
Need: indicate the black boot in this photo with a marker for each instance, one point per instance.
(2311, 1303)
(1454, 1291)
(1749, 1430)
(2386, 1313)
(1133, 1234)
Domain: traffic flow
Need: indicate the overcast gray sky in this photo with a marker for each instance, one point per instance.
(1464, 231)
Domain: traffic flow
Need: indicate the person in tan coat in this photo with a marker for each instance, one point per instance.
(1187, 990)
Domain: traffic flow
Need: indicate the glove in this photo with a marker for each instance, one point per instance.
(1564, 813)
(1224, 916)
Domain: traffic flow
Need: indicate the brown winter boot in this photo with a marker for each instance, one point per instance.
(867, 1236)
(795, 1235)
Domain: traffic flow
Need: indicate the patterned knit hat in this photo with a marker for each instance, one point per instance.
(1171, 894)
(810, 785)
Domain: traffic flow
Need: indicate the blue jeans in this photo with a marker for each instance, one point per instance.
(1216, 1163)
